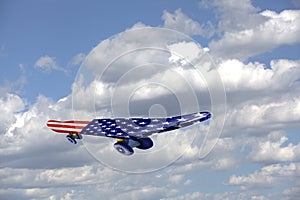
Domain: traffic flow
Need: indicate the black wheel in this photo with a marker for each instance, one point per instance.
(145, 143)
(71, 139)
(123, 148)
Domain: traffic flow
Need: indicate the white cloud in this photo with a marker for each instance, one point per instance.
(235, 15)
(226, 154)
(281, 75)
(57, 183)
(186, 52)
(180, 22)
(236, 75)
(279, 113)
(41, 164)
(10, 105)
(272, 149)
(219, 196)
(225, 163)
(25, 134)
(190, 196)
(124, 64)
(278, 29)
(43, 161)
(88, 97)
(293, 192)
(147, 192)
(270, 175)
(48, 64)
(258, 96)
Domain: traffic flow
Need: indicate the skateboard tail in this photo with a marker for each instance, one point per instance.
(69, 126)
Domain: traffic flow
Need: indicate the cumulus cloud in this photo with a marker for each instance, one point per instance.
(272, 114)
(124, 63)
(218, 196)
(278, 29)
(25, 134)
(261, 96)
(268, 176)
(180, 22)
(39, 164)
(57, 177)
(11, 104)
(234, 15)
(293, 192)
(273, 149)
(282, 74)
(226, 150)
(55, 183)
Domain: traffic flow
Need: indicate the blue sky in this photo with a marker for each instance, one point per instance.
(46, 46)
(64, 29)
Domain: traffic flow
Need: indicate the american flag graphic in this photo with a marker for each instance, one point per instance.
(140, 127)
(126, 127)
(70, 126)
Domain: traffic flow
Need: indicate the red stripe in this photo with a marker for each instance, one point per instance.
(65, 126)
(69, 121)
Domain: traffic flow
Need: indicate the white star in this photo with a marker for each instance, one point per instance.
(198, 115)
(181, 119)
